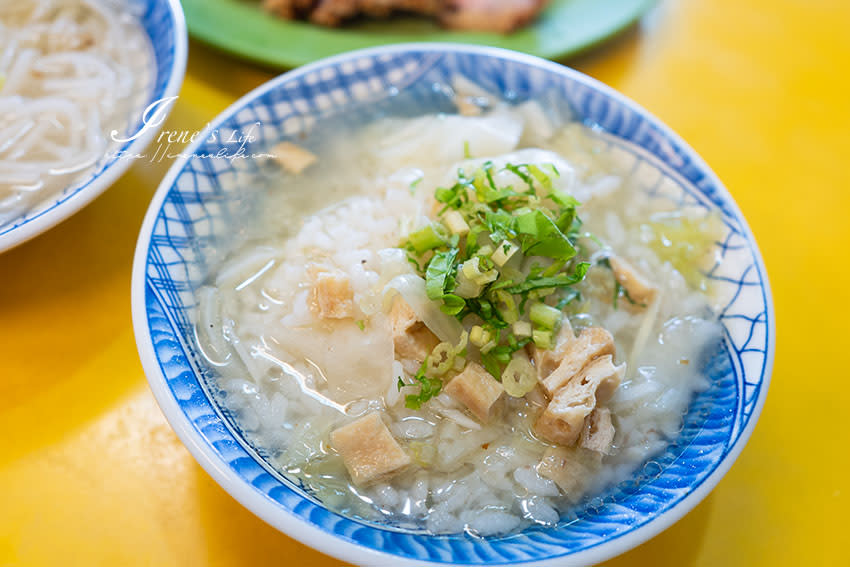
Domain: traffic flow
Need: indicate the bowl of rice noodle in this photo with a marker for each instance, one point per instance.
(441, 304)
(76, 80)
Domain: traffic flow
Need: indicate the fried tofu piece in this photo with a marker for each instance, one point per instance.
(466, 106)
(476, 389)
(569, 467)
(640, 290)
(547, 360)
(537, 397)
(368, 449)
(598, 432)
(411, 338)
(333, 297)
(591, 343)
(292, 158)
(563, 419)
(403, 317)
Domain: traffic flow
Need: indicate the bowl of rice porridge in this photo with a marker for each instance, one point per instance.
(428, 304)
(85, 85)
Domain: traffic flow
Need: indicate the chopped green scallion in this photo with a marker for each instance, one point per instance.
(544, 316)
(542, 339)
(425, 239)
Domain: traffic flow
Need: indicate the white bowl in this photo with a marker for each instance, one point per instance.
(164, 23)
(190, 210)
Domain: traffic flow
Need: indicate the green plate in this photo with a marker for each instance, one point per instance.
(241, 27)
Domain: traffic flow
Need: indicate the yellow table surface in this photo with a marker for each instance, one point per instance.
(91, 474)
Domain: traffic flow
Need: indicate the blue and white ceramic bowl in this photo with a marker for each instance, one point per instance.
(191, 209)
(163, 21)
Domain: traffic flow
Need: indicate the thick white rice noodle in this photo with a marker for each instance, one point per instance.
(71, 72)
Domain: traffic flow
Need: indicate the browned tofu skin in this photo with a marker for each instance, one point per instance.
(592, 343)
(476, 389)
(466, 106)
(547, 360)
(411, 338)
(563, 419)
(537, 397)
(292, 158)
(402, 316)
(332, 295)
(640, 289)
(369, 451)
(569, 467)
(598, 432)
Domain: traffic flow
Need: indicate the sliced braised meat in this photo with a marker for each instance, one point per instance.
(334, 12)
(289, 9)
(501, 16)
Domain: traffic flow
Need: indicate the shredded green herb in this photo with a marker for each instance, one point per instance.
(619, 290)
(428, 387)
(519, 250)
(438, 273)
